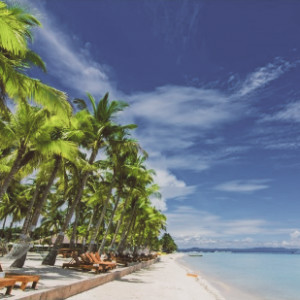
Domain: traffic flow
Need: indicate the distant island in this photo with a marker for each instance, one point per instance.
(244, 250)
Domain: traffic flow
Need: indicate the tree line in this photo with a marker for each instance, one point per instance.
(68, 167)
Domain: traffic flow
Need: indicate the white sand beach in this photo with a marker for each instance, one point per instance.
(166, 280)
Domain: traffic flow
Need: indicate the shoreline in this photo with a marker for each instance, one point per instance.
(165, 280)
(202, 279)
(226, 290)
(170, 278)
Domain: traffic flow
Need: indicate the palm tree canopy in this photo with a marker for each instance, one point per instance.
(15, 58)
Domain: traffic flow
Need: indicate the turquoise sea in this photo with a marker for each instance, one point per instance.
(261, 275)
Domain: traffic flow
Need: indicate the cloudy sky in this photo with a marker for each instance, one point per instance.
(214, 87)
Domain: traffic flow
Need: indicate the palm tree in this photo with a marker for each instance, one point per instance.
(118, 151)
(98, 128)
(15, 58)
(58, 148)
(31, 131)
(19, 133)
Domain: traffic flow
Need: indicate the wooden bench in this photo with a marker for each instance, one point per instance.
(24, 279)
(8, 283)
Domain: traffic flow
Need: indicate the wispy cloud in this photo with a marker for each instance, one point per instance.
(290, 113)
(193, 227)
(264, 75)
(182, 106)
(243, 186)
(68, 60)
(172, 118)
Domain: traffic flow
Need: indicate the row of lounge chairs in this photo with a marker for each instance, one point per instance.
(12, 278)
(90, 261)
(126, 259)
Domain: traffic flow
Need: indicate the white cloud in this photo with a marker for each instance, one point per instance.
(71, 63)
(291, 113)
(295, 235)
(263, 76)
(180, 106)
(243, 186)
(171, 187)
(194, 227)
(173, 117)
(159, 204)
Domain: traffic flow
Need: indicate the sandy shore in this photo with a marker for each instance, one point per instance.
(166, 280)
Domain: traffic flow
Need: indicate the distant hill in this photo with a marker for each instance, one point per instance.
(243, 250)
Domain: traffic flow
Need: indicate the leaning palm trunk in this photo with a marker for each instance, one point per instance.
(140, 239)
(20, 261)
(26, 223)
(74, 230)
(119, 224)
(98, 225)
(42, 201)
(14, 169)
(51, 257)
(96, 229)
(108, 226)
(88, 229)
(4, 222)
(126, 231)
(129, 231)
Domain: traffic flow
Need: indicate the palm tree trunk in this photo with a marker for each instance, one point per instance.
(140, 238)
(14, 169)
(95, 230)
(130, 230)
(88, 229)
(3, 225)
(51, 256)
(40, 205)
(108, 226)
(19, 263)
(12, 223)
(119, 223)
(74, 230)
(26, 223)
(126, 231)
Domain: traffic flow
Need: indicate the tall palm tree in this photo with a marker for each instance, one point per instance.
(16, 58)
(55, 142)
(29, 132)
(98, 128)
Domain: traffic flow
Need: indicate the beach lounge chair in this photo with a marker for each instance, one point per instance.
(24, 279)
(83, 263)
(94, 261)
(8, 283)
(108, 264)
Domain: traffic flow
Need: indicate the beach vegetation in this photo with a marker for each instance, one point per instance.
(168, 244)
(64, 172)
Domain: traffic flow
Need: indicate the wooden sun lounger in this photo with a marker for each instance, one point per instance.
(24, 279)
(8, 283)
(83, 264)
(112, 264)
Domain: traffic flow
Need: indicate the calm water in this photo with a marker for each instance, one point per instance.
(269, 276)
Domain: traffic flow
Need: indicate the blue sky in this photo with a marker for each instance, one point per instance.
(214, 89)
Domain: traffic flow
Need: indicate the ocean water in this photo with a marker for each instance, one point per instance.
(261, 275)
